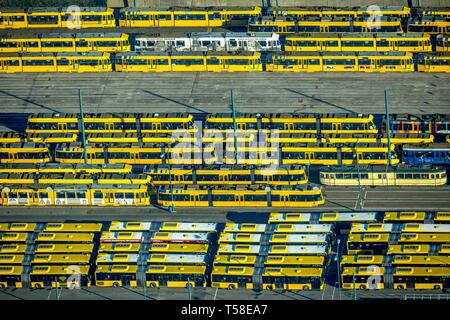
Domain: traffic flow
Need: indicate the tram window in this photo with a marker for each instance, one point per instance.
(213, 61)
(119, 155)
(43, 194)
(22, 195)
(416, 175)
(303, 43)
(18, 18)
(214, 16)
(42, 19)
(190, 17)
(91, 18)
(119, 195)
(82, 43)
(312, 62)
(87, 62)
(62, 62)
(8, 44)
(129, 195)
(287, 62)
(12, 63)
(238, 61)
(262, 43)
(181, 197)
(106, 43)
(163, 17)
(60, 194)
(304, 29)
(339, 176)
(342, 29)
(56, 44)
(339, 61)
(382, 43)
(38, 62)
(98, 195)
(353, 43)
(386, 62)
(408, 43)
(223, 197)
(187, 62)
(255, 197)
(135, 62)
(374, 156)
(32, 44)
(139, 17)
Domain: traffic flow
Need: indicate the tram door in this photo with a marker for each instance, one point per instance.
(336, 127)
(109, 198)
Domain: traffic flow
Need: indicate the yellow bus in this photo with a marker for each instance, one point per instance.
(279, 217)
(17, 227)
(409, 237)
(355, 42)
(362, 277)
(55, 62)
(175, 276)
(57, 276)
(238, 248)
(286, 278)
(325, 11)
(121, 236)
(291, 228)
(319, 238)
(299, 249)
(176, 61)
(11, 259)
(117, 258)
(341, 62)
(232, 277)
(116, 275)
(404, 216)
(409, 249)
(368, 243)
(65, 42)
(422, 278)
(188, 227)
(11, 276)
(32, 153)
(178, 259)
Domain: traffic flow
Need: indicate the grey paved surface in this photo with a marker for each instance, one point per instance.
(124, 293)
(210, 92)
(342, 199)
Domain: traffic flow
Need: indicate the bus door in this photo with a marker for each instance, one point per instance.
(241, 126)
(284, 198)
(324, 29)
(33, 198)
(224, 178)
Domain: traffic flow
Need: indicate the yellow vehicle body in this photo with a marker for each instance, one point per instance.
(341, 62)
(436, 62)
(55, 62)
(351, 42)
(189, 62)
